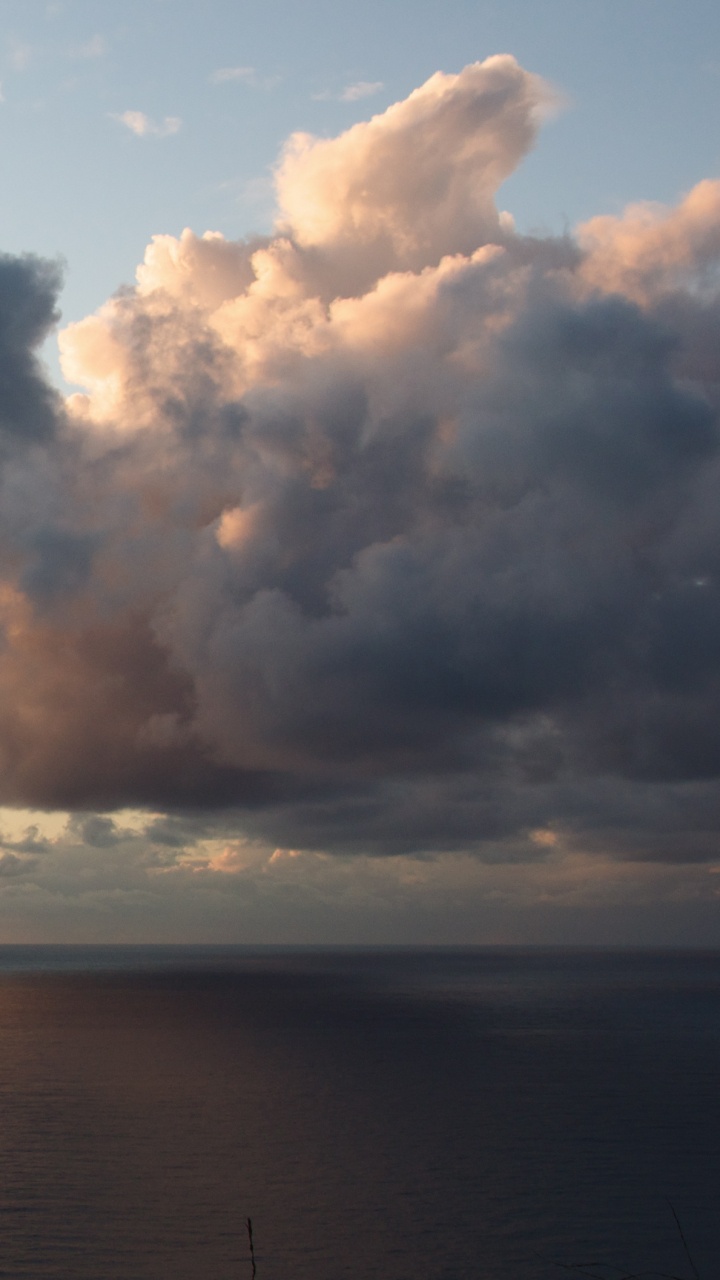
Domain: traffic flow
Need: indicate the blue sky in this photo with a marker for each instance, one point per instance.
(641, 79)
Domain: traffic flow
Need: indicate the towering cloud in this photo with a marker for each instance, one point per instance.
(394, 531)
(415, 183)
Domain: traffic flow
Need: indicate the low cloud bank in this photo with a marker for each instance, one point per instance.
(393, 532)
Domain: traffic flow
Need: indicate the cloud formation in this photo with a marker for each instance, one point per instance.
(170, 879)
(144, 127)
(248, 76)
(360, 89)
(390, 533)
(352, 92)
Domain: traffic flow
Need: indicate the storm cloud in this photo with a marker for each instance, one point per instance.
(393, 532)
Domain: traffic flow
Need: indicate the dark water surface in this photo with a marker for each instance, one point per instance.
(409, 1115)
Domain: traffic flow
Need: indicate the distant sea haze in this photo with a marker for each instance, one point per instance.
(400, 1114)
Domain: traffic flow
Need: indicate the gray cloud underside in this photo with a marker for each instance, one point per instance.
(394, 532)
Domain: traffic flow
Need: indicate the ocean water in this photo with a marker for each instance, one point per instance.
(483, 1114)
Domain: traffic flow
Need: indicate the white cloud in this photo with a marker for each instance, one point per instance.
(351, 93)
(361, 89)
(144, 127)
(415, 182)
(247, 75)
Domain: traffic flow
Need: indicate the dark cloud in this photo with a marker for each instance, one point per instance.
(394, 533)
(28, 293)
(10, 865)
(95, 830)
(32, 842)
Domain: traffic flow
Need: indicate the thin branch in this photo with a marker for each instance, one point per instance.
(686, 1246)
(252, 1247)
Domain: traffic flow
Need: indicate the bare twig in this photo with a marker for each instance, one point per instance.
(686, 1247)
(252, 1247)
(583, 1268)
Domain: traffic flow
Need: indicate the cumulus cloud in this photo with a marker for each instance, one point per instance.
(391, 533)
(415, 183)
(144, 127)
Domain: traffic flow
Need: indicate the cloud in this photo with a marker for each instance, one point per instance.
(392, 534)
(361, 89)
(219, 887)
(28, 406)
(417, 182)
(247, 75)
(143, 127)
(10, 865)
(352, 92)
(243, 75)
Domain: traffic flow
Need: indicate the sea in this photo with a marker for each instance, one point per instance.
(399, 1114)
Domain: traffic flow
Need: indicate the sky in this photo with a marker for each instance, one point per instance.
(359, 450)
